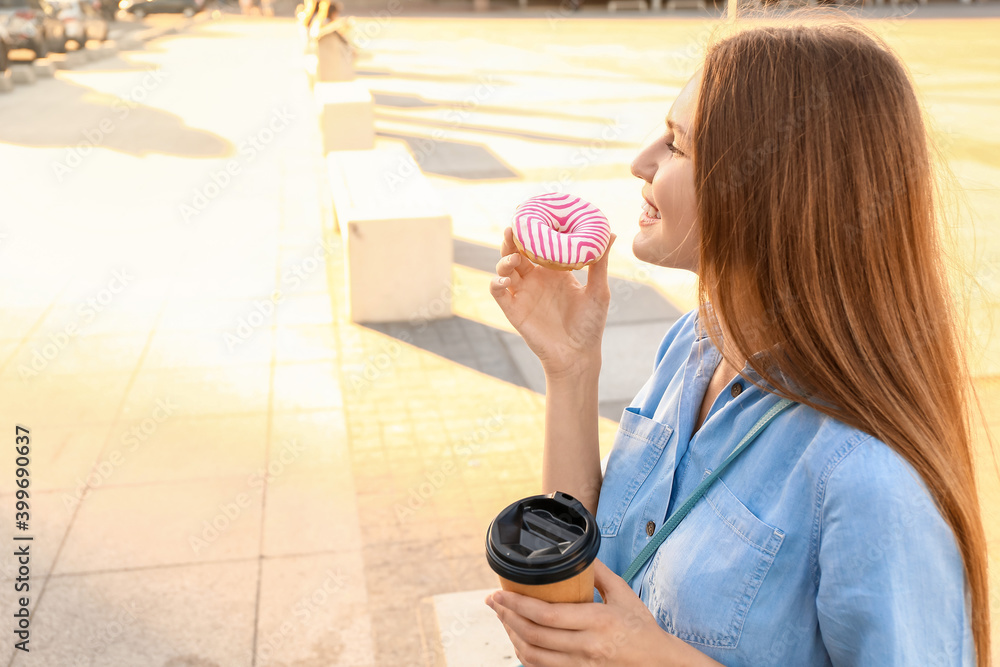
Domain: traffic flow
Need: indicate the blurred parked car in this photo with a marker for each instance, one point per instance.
(81, 20)
(140, 8)
(33, 24)
(106, 8)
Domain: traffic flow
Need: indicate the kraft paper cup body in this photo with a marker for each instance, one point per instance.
(544, 546)
(575, 589)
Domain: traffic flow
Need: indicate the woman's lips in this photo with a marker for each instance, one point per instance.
(650, 215)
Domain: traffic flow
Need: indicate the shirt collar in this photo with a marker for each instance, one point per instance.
(701, 333)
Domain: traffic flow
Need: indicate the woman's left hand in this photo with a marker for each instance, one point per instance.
(620, 632)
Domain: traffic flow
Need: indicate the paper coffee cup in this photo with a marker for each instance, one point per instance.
(544, 546)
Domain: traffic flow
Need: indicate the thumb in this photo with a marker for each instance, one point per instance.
(597, 273)
(609, 584)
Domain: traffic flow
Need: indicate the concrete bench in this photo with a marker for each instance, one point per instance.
(331, 58)
(334, 57)
(464, 632)
(396, 236)
(346, 113)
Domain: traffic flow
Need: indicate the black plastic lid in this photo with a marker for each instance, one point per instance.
(542, 540)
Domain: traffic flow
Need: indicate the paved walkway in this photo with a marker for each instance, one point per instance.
(225, 472)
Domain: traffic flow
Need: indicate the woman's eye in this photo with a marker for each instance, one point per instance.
(674, 149)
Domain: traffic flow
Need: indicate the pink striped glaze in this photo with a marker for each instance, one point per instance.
(562, 228)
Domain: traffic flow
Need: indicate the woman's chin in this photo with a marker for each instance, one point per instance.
(647, 247)
(644, 247)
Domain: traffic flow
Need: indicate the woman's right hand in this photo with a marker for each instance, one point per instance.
(561, 320)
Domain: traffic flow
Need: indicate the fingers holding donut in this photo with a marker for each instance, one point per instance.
(597, 273)
(510, 249)
(499, 289)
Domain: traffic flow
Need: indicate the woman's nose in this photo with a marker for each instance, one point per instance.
(644, 166)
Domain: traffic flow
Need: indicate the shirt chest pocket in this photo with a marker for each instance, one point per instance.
(638, 445)
(705, 576)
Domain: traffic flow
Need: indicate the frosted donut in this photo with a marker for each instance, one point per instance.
(560, 231)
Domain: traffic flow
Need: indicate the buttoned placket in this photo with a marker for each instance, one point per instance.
(701, 365)
(698, 370)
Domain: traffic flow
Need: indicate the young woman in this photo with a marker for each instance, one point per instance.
(793, 177)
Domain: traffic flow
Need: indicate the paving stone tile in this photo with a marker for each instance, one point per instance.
(308, 512)
(196, 615)
(314, 611)
(164, 524)
(306, 386)
(206, 314)
(201, 391)
(309, 342)
(320, 434)
(300, 309)
(242, 343)
(80, 398)
(51, 353)
(171, 448)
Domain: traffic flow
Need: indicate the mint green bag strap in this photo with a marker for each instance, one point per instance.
(696, 495)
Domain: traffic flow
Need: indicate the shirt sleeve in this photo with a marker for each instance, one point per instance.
(891, 585)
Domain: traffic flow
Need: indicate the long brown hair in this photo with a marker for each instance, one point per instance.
(819, 236)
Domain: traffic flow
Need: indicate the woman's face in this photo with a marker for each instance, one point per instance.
(668, 228)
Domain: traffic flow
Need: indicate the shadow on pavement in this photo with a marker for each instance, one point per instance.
(638, 317)
(457, 159)
(57, 113)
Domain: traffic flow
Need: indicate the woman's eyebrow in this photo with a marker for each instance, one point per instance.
(677, 129)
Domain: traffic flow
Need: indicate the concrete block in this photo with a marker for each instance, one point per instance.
(44, 68)
(465, 632)
(6, 82)
(335, 58)
(396, 235)
(23, 74)
(346, 115)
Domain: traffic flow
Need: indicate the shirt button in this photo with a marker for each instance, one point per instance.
(736, 389)
(650, 528)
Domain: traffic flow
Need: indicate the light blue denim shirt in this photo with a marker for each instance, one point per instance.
(818, 546)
